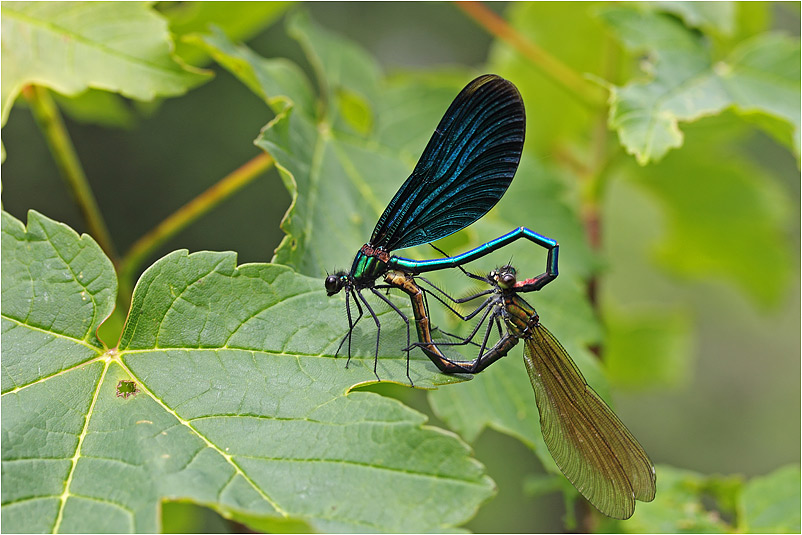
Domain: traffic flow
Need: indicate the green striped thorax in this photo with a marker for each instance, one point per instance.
(370, 263)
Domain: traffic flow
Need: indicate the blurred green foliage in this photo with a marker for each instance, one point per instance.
(697, 265)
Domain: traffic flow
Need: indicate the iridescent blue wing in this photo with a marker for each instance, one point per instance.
(591, 446)
(464, 170)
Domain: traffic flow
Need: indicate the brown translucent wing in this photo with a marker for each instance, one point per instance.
(591, 446)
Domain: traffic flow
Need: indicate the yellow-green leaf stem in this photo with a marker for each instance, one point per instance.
(184, 216)
(554, 68)
(58, 141)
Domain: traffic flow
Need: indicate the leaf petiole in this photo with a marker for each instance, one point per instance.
(58, 141)
(183, 217)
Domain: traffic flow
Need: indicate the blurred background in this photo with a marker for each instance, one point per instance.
(732, 405)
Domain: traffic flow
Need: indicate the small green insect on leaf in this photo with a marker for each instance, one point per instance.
(126, 389)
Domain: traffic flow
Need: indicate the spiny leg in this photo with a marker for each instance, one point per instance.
(498, 324)
(446, 333)
(478, 364)
(473, 366)
(469, 339)
(461, 340)
(532, 284)
(351, 325)
(378, 331)
(424, 293)
(458, 300)
(468, 317)
(493, 319)
(406, 320)
(452, 336)
(467, 273)
(452, 299)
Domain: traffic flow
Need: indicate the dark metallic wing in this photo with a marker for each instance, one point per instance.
(591, 446)
(464, 170)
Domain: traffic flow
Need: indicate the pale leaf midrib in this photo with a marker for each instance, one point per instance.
(66, 493)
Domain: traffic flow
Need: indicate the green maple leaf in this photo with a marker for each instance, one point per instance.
(223, 390)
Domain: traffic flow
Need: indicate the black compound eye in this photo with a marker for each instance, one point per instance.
(333, 284)
(507, 279)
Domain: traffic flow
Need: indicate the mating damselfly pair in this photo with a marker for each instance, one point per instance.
(464, 170)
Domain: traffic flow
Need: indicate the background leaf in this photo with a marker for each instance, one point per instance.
(679, 507)
(340, 67)
(98, 107)
(717, 17)
(648, 348)
(72, 46)
(770, 504)
(713, 221)
(760, 76)
(554, 115)
(240, 20)
(304, 147)
(238, 406)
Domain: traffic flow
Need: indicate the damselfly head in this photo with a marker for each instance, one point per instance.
(336, 282)
(504, 277)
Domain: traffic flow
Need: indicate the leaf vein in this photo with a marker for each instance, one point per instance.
(53, 333)
(66, 493)
(56, 374)
(228, 458)
(424, 475)
(75, 278)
